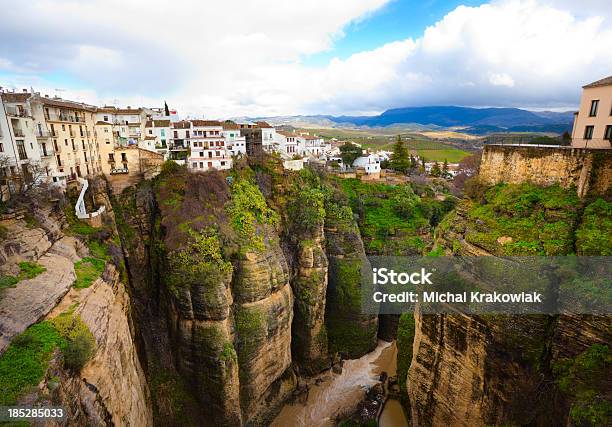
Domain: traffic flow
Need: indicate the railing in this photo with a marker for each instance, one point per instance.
(79, 209)
(12, 110)
(43, 133)
(115, 171)
(64, 118)
(18, 133)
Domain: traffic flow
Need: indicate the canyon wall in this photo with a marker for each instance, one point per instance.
(503, 369)
(589, 170)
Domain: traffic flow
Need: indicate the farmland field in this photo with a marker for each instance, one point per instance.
(453, 155)
(379, 139)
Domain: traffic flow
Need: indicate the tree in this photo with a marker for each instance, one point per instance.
(445, 169)
(349, 152)
(400, 160)
(435, 169)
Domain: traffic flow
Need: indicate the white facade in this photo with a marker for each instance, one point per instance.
(234, 141)
(370, 163)
(157, 134)
(286, 143)
(208, 149)
(312, 146)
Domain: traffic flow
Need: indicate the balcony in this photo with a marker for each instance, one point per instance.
(62, 117)
(15, 111)
(18, 133)
(47, 153)
(43, 133)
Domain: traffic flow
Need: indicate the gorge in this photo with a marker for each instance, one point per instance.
(223, 297)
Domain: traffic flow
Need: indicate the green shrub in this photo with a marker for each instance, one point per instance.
(23, 364)
(3, 232)
(27, 270)
(594, 234)
(87, 271)
(79, 345)
(585, 380)
(405, 338)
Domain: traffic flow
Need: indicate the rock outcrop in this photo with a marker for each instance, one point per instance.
(501, 369)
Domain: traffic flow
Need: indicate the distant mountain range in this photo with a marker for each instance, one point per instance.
(471, 120)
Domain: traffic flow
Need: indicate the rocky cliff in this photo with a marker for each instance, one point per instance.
(46, 257)
(494, 370)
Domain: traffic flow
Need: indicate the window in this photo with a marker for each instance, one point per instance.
(22, 151)
(608, 133)
(194, 165)
(111, 157)
(210, 164)
(588, 132)
(201, 165)
(59, 161)
(594, 104)
(163, 133)
(1, 147)
(106, 118)
(108, 141)
(150, 131)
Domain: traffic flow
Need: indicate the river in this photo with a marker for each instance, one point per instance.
(339, 394)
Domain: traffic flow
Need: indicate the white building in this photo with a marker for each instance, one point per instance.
(128, 123)
(234, 141)
(267, 136)
(370, 163)
(207, 144)
(179, 141)
(286, 143)
(312, 146)
(158, 132)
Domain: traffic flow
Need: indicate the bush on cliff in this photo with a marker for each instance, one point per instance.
(538, 220)
(405, 337)
(79, 345)
(247, 210)
(594, 234)
(586, 380)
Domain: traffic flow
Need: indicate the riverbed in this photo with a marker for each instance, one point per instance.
(339, 394)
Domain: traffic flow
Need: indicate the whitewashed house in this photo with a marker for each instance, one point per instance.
(370, 163)
(207, 144)
(234, 141)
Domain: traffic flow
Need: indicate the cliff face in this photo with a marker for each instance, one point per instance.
(222, 283)
(493, 370)
(110, 387)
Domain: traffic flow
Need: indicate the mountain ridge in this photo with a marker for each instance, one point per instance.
(474, 120)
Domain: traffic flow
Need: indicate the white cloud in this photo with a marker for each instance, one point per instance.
(236, 57)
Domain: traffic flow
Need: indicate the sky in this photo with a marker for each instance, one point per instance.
(286, 57)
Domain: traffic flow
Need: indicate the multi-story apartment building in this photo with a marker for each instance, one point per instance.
(159, 131)
(179, 141)
(234, 141)
(21, 146)
(207, 145)
(259, 137)
(312, 146)
(128, 123)
(593, 122)
(287, 143)
(70, 128)
(53, 136)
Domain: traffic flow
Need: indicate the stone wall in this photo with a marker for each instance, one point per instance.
(590, 171)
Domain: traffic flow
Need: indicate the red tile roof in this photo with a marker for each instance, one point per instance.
(15, 97)
(206, 123)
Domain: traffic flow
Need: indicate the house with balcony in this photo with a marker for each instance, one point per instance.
(234, 141)
(207, 147)
(593, 121)
(286, 144)
(311, 145)
(178, 149)
(159, 131)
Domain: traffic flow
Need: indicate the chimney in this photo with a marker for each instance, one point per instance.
(25, 91)
(129, 107)
(46, 96)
